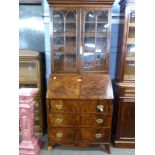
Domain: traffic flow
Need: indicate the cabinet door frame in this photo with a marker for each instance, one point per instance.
(64, 8)
(128, 9)
(80, 21)
(101, 8)
(37, 70)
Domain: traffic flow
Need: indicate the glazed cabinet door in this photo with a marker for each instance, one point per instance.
(64, 39)
(28, 71)
(95, 39)
(129, 70)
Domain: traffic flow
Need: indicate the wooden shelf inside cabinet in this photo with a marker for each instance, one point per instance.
(32, 75)
(131, 41)
(131, 24)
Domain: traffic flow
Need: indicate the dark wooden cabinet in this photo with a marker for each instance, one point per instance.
(32, 75)
(123, 130)
(79, 95)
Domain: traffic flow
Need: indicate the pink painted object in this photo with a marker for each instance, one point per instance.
(30, 144)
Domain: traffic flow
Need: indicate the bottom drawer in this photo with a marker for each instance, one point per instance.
(63, 134)
(73, 135)
(95, 135)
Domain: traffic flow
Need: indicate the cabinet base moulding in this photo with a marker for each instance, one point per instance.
(124, 144)
(106, 146)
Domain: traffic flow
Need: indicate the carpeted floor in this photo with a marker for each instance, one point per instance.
(61, 150)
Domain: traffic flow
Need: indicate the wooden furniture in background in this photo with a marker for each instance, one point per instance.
(123, 130)
(32, 75)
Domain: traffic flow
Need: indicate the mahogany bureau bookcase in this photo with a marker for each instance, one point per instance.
(123, 130)
(32, 75)
(79, 94)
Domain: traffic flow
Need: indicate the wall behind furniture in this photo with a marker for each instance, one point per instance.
(31, 27)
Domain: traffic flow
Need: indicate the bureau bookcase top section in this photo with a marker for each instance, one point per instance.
(80, 36)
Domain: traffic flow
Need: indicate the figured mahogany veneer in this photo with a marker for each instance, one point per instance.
(79, 110)
(93, 86)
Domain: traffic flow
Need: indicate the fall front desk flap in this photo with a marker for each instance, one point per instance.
(79, 87)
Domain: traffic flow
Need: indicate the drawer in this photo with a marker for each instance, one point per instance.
(95, 134)
(127, 92)
(61, 120)
(80, 106)
(95, 120)
(96, 107)
(63, 134)
(63, 106)
(81, 120)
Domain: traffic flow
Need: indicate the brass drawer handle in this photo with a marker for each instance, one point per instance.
(98, 135)
(59, 120)
(100, 107)
(99, 120)
(58, 106)
(59, 134)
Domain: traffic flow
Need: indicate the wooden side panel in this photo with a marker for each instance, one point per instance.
(127, 125)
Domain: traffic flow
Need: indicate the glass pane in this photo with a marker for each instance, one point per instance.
(59, 62)
(102, 27)
(71, 45)
(71, 16)
(131, 32)
(102, 16)
(101, 44)
(129, 73)
(70, 63)
(89, 44)
(100, 61)
(90, 17)
(37, 123)
(58, 16)
(58, 45)
(89, 61)
(27, 71)
(58, 27)
(132, 17)
(71, 27)
(90, 27)
(65, 42)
